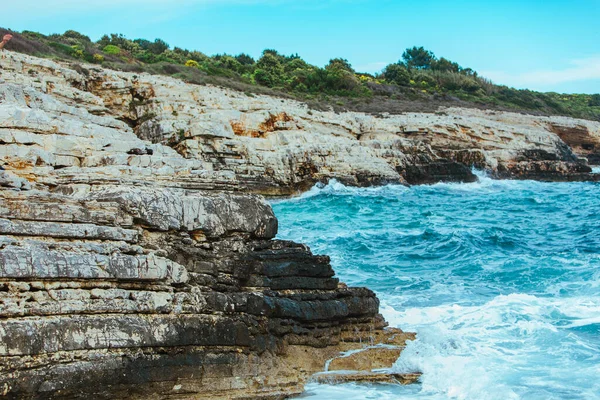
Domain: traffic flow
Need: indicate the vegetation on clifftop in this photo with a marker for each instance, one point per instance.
(419, 81)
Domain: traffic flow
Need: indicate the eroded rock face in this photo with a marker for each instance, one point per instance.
(164, 292)
(135, 262)
(582, 138)
(130, 271)
(280, 147)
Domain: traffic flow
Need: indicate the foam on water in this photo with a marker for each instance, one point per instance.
(500, 280)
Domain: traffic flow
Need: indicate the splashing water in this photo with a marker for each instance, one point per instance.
(500, 280)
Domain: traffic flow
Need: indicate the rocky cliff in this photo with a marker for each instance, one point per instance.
(129, 270)
(136, 258)
(278, 147)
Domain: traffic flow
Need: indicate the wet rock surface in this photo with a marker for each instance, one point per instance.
(438, 171)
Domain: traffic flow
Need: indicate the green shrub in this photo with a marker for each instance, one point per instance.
(454, 81)
(77, 53)
(111, 49)
(262, 77)
(397, 73)
(98, 58)
(63, 48)
(76, 35)
(424, 79)
(33, 35)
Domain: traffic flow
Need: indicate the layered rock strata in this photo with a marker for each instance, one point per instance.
(135, 262)
(279, 147)
(137, 292)
(130, 271)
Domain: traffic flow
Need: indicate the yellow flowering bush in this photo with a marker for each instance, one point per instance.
(192, 63)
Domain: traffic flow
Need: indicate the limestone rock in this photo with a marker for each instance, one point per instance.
(137, 261)
(332, 378)
(260, 143)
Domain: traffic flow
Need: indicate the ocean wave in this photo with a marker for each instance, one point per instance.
(489, 341)
(499, 279)
(334, 187)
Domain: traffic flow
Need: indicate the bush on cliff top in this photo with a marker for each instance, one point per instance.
(418, 82)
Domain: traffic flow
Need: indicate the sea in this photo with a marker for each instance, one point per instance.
(500, 280)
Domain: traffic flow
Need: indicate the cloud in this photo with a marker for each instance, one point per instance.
(584, 69)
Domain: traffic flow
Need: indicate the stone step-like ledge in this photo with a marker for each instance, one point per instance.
(338, 377)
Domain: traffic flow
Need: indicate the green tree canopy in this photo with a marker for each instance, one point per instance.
(76, 35)
(418, 57)
(446, 65)
(158, 46)
(397, 73)
(339, 63)
(245, 59)
(269, 70)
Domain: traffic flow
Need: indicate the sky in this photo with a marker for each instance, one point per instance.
(546, 45)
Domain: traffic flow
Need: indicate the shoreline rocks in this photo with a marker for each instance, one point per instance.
(279, 147)
(138, 260)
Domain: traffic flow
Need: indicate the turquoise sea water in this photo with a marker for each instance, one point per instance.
(500, 280)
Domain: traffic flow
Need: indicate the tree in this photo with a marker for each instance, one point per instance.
(339, 64)
(143, 43)
(158, 46)
(397, 73)
(269, 70)
(594, 100)
(418, 58)
(272, 52)
(76, 35)
(229, 62)
(445, 65)
(469, 72)
(245, 59)
(296, 64)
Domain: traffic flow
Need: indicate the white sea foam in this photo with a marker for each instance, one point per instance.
(470, 352)
(498, 278)
(336, 187)
(484, 183)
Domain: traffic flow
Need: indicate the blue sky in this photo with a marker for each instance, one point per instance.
(543, 45)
